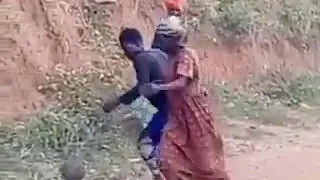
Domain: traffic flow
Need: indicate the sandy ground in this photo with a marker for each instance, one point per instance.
(257, 151)
(295, 163)
(279, 153)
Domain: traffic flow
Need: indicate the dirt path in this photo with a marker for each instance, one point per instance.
(277, 153)
(292, 163)
(257, 151)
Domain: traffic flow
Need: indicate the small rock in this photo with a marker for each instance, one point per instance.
(230, 105)
(73, 169)
(303, 105)
(134, 160)
(106, 1)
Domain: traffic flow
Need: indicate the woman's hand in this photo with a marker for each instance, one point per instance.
(149, 89)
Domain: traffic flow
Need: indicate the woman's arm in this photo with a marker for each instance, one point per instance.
(179, 83)
(185, 69)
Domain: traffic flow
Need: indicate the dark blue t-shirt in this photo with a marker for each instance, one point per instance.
(148, 69)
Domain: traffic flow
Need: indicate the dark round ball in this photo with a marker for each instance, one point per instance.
(73, 169)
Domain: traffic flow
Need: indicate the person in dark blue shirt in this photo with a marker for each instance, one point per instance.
(147, 65)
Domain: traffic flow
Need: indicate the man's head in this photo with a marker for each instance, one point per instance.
(131, 42)
(170, 35)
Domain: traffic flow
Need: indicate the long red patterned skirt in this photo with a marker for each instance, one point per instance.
(191, 148)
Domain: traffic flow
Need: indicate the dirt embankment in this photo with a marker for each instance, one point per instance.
(39, 34)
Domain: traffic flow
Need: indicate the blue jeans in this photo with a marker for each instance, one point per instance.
(154, 127)
(149, 140)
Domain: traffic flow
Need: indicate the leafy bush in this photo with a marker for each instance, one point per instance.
(292, 18)
(76, 124)
(289, 90)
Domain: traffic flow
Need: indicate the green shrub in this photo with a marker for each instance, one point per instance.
(292, 18)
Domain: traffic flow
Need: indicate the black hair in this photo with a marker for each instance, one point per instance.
(130, 35)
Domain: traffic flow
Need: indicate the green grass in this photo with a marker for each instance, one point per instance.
(297, 19)
(238, 104)
(75, 123)
(270, 94)
(107, 142)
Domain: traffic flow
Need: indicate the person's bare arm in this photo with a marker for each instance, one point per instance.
(179, 83)
(185, 70)
(142, 74)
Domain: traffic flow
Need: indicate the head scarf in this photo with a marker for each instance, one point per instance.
(171, 26)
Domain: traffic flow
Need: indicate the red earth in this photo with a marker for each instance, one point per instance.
(40, 34)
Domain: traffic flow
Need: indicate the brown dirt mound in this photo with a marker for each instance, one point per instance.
(37, 36)
(40, 34)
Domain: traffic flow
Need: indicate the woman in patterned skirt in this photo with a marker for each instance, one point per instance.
(191, 147)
